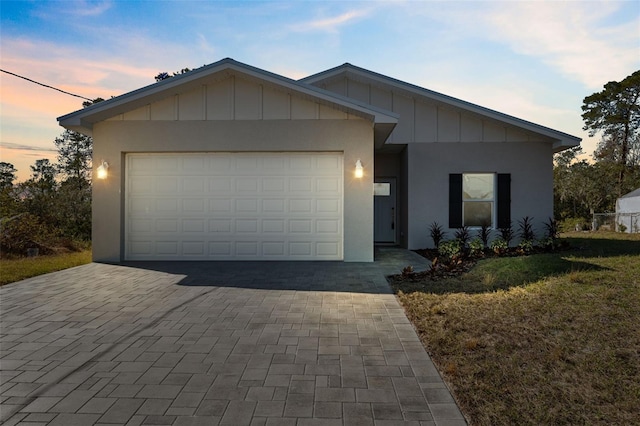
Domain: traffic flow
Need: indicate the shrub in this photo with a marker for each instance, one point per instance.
(548, 244)
(437, 233)
(450, 250)
(526, 229)
(463, 236)
(507, 234)
(552, 228)
(407, 271)
(22, 232)
(499, 246)
(476, 247)
(525, 246)
(485, 234)
(572, 223)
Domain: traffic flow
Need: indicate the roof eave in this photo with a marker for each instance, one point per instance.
(565, 143)
(562, 140)
(145, 95)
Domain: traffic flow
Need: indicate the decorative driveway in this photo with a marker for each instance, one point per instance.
(208, 343)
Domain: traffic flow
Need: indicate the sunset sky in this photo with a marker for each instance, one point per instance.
(533, 60)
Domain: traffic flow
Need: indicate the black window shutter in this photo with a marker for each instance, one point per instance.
(455, 200)
(504, 200)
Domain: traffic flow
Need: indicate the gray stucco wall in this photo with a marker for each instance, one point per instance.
(113, 139)
(429, 165)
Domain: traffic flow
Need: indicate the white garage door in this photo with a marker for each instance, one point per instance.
(234, 206)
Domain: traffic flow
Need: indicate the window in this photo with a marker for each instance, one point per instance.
(478, 199)
(382, 189)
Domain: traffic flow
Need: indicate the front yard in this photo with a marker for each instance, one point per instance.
(12, 270)
(541, 339)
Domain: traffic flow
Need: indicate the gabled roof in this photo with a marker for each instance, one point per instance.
(561, 140)
(634, 193)
(83, 120)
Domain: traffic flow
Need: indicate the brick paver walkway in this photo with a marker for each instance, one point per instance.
(320, 343)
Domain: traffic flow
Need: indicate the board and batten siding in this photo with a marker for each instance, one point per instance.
(424, 121)
(233, 98)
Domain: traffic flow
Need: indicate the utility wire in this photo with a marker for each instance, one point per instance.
(46, 85)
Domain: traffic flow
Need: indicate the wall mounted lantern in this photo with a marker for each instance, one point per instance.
(359, 172)
(102, 170)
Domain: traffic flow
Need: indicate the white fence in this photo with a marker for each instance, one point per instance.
(620, 222)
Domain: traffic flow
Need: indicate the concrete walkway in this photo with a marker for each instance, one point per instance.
(208, 343)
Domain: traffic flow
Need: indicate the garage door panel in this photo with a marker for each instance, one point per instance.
(298, 205)
(193, 225)
(193, 165)
(328, 226)
(165, 185)
(247, 226)
(166, 248)
(168, 164)
(167, 225)
(193, 185)
(193, 248)
(217, 226)
(327, 249)
(233, 206)
(330, 185)
(220, 248)
(220, 205)
(273, 226)
(193, 205)
(273, 206)
(273, 185)
(331, 205)
(303, 185)
(249, 205)
(247, 185)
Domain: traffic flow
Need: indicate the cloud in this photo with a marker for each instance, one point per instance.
(573, 37)
(91, 8)
(23, 147)
(72, 8)
(590, 42)
(204, 44)
(330, 24)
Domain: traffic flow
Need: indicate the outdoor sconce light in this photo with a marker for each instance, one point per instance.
(359, 169)
(102, 169)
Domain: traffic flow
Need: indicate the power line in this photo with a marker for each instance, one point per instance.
(46, 85)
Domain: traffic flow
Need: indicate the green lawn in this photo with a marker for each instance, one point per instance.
(12, 270)
(541, 339)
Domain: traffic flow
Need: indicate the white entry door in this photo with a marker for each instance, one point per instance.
(384, 210)
(234, 206)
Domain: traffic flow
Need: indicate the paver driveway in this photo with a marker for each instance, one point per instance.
(311, 343)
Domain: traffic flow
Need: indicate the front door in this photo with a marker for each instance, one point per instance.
(384, 210)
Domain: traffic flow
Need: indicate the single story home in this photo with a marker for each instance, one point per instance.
(628, 212)
(232, 162)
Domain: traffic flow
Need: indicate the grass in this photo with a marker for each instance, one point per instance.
(12, 270)
(542, 339)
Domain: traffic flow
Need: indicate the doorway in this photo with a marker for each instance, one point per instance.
(384, 210)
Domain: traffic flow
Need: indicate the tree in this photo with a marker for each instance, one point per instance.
(73, 209)
(7, 175)
(74, 155)
(615, 111)
(43, 176)
(165, 75)
(8, 199)
(40, 190)
(89, 103)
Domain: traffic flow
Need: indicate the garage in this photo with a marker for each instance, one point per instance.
(234, 206)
